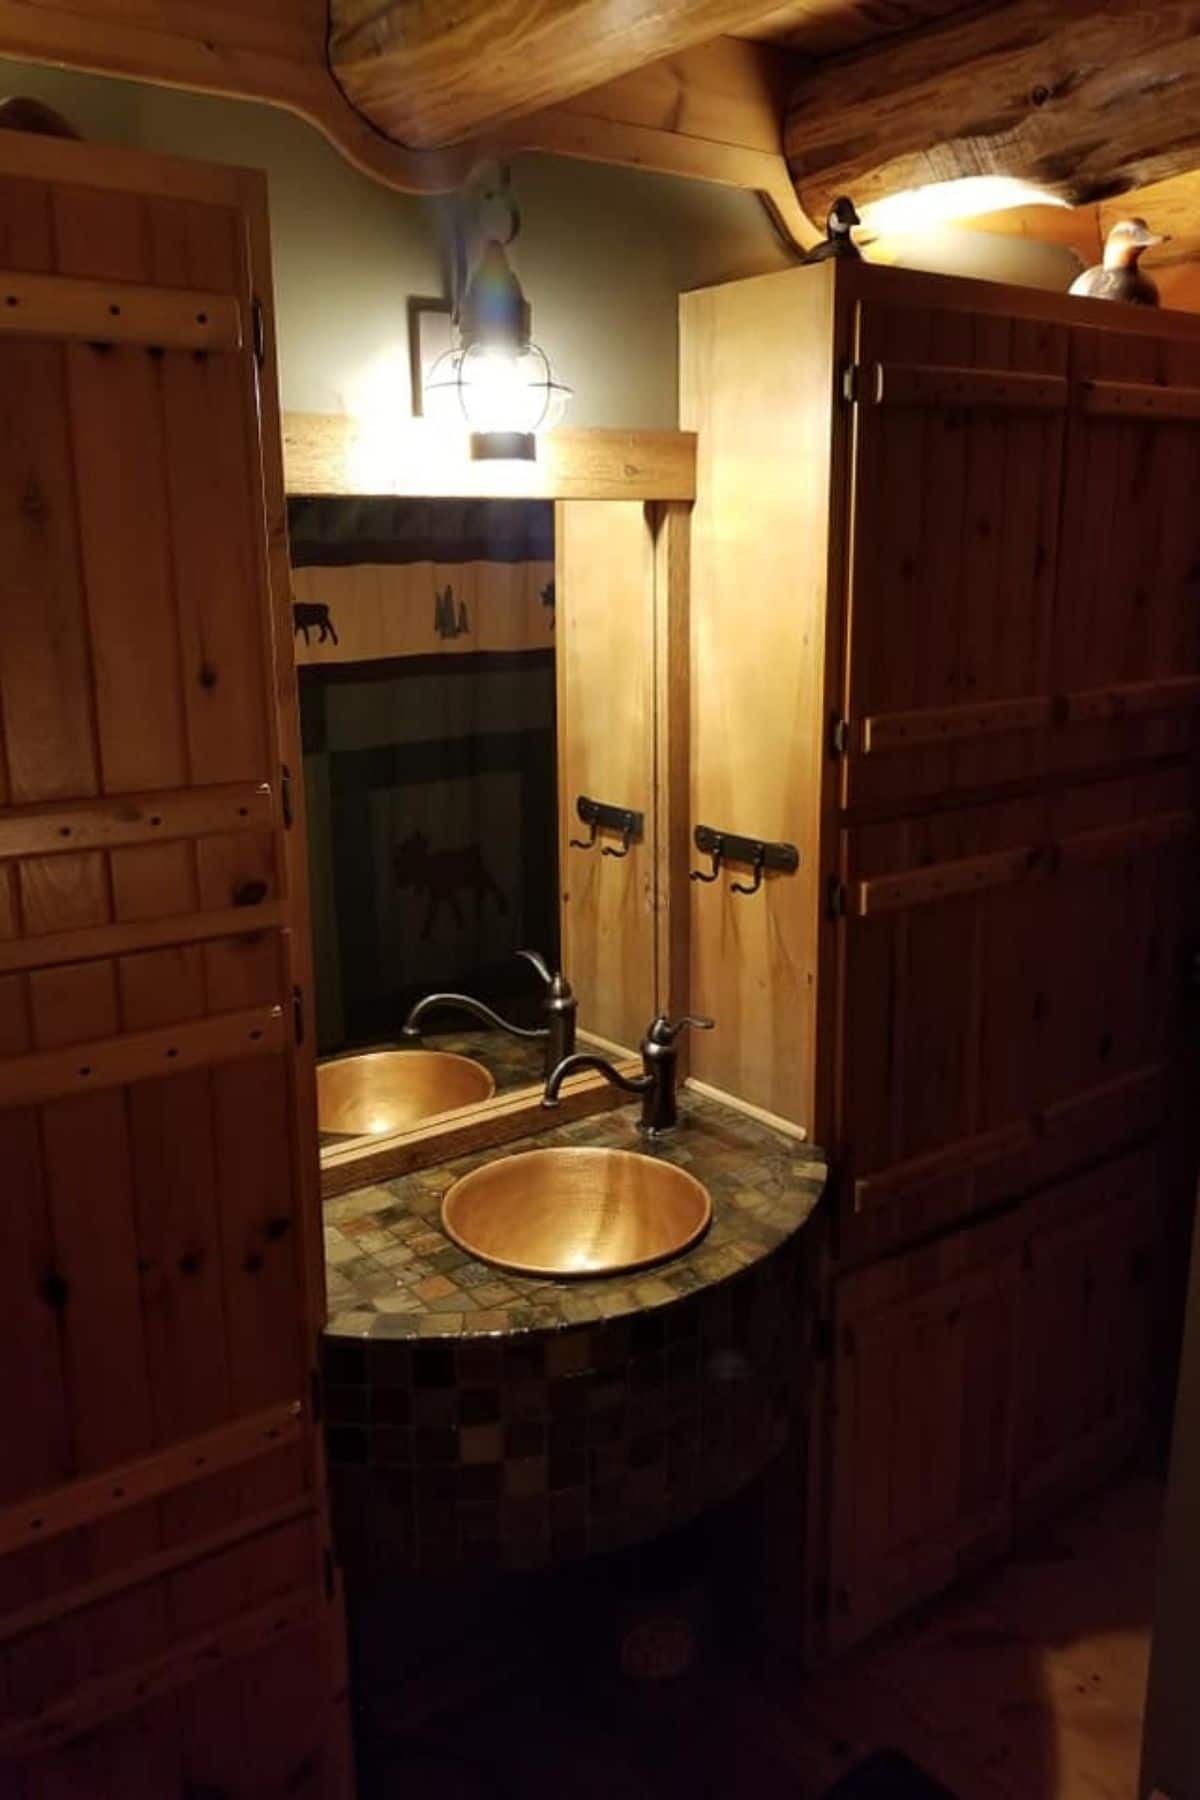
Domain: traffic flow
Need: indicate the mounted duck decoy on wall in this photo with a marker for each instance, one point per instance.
(843, 217)
(1118, 277)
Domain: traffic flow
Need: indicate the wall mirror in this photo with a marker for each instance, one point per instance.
(483, 704)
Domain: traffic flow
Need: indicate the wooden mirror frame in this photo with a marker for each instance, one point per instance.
(331, 454)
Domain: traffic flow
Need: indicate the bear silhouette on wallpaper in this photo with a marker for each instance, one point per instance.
(442, 875)
(312, 615)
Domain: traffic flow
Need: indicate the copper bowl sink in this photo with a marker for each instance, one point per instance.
(576, 1212)
(389, 1090)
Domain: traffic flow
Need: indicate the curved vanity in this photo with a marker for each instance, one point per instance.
(480, 1419)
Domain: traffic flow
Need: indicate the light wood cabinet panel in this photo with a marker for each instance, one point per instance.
(755, 386)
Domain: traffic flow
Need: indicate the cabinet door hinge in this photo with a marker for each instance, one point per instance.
(835, 897)
(298, 1014)
(259, 326)
(285, 797)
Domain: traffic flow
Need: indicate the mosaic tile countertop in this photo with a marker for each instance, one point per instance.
(479, 1421)
(393, 1273)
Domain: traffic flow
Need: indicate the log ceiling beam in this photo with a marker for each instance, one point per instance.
(711, 113)
(430, 75)
(1086, 99)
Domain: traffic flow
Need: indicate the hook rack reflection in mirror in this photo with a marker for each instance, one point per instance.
(726, 847)
(602, 817)
(715, 851)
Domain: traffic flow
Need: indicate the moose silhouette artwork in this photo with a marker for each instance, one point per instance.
(442, 876)
(312, 615)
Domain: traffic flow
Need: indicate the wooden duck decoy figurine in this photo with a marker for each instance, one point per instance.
(838, 226)
(1118, 277)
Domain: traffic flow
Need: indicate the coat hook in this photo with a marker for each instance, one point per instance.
(759, 864)
(601, 816)
(626, 844)
(699, 875)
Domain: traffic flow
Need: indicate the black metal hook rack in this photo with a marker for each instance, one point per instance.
(599, 816)
(728, 847)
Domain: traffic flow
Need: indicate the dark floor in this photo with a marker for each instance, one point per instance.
(1026, 1684)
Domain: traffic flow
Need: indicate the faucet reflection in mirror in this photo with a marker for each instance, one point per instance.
(560, 1004)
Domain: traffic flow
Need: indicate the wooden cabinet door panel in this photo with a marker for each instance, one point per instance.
(161, 1284)
(923, 1424)
(1003, 967)
(953, 545)
(1126, 603)
(895, 1473)
(1086, 1314)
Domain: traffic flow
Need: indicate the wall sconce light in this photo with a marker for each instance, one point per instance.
(495, 378)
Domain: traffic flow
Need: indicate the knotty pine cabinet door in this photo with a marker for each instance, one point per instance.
(161, 1287)
(1012, 1003)
(957, 469)
(981, 1380)
(922, 1424)
(1092, 1267)
(1023, 552)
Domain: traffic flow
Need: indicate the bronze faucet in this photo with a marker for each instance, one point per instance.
(656, 1083)
(561, 1006)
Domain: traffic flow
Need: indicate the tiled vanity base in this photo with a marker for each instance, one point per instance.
(594, 1414)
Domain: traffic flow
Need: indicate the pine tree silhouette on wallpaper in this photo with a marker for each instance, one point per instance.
(448, 621)
(442, 875)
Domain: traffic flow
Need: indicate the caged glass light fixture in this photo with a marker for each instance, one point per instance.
(496, 379)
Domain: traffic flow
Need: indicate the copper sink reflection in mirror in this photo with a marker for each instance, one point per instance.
(576, 1212)
(391, 1090)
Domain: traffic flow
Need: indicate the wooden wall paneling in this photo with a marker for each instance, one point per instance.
(757, 386)
(605, 657)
